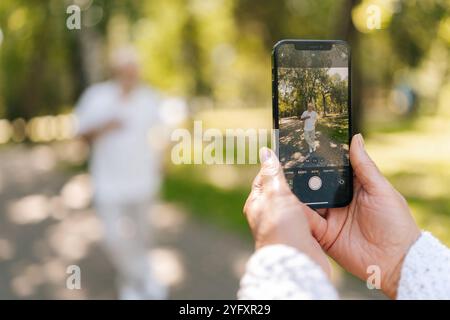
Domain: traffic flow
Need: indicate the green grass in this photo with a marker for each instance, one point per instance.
(336, 127)
(223, 207)
(399, 125)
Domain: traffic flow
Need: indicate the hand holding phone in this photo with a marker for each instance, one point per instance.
(275, 215)
(375, 229)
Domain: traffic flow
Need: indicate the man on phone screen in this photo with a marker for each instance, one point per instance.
(310, 117)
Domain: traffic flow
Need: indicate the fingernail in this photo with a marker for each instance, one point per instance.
(361, 139)
(264, 154)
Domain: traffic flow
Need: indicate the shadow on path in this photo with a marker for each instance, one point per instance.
(294, 149)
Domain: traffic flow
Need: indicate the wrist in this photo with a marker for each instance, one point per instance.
(306, 245)
(293, 243)
(392, 277)
(390, 285)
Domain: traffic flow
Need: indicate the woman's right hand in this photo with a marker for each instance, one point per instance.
(376, 228)
(276, 216)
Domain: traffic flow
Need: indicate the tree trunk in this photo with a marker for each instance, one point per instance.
(324, 100)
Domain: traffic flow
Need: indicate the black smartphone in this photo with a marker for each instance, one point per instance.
(312, 117)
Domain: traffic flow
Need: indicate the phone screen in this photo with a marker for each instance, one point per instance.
(312, 113)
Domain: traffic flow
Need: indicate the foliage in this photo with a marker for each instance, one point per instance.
(298, 86)
(218, 50)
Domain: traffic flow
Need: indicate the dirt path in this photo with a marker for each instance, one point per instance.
(294, 149)
(46, 226)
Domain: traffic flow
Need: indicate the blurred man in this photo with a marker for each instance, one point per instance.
(310, 117)
(115, 116)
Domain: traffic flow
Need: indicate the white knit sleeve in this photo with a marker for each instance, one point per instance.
(426, 270)
(282, 272)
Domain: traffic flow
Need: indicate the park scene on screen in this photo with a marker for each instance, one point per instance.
(313, 117)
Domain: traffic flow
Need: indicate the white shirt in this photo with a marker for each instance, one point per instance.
(310, 122)
(123, 167)
(283, 272)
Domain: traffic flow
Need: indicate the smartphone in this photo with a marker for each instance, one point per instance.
(312, 116)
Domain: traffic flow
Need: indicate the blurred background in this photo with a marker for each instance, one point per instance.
(216, 56)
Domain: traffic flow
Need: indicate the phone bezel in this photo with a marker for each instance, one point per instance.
(312, 45)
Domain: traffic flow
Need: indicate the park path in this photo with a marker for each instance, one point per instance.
(46, 225)
(294, 149)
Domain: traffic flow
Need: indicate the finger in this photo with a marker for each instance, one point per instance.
(248, 203)
(364, 168)
(250, 211)
(272, 176)
(257, 184)
(255, 191)
(322, 212)
(356, 184)
(317, 223)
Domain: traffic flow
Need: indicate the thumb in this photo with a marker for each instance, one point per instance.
(271, 173)
(364, 168)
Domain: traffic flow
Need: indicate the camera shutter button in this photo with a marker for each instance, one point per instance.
(315, 183)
